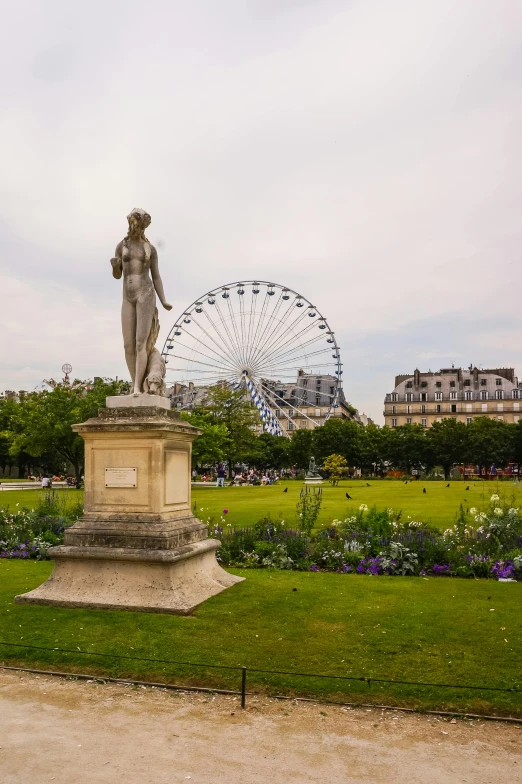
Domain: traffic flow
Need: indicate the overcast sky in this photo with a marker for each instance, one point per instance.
(366, 153)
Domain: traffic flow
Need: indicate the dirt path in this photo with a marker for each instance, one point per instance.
(76, 732)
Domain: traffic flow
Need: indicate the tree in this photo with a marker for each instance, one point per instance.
(41, 423)
(449, 443)
(336, 465)
(406, 447)
(270, 451)
(338, 436)
(371, 447)
(490, 442)
(228, 407)
(210, 447)
(300, 450)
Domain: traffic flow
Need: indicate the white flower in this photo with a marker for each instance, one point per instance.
(363, 508)
(473, 510)
(512, 511)
(497, 510)
(494, 497)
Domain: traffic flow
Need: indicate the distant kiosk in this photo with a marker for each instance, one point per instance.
(312, 477)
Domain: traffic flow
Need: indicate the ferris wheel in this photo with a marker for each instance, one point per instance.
(264, 338)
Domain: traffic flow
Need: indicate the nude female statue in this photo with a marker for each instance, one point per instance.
(134, 257)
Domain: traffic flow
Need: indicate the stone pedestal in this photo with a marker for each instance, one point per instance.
(138, 546)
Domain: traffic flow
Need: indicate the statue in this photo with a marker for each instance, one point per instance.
(133, 259)
(312, 476)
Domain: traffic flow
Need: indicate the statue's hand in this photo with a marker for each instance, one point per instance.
(166, 306)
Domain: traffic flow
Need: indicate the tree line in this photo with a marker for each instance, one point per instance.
(36, 435)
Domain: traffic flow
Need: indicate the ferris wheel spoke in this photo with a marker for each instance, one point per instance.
(234, 327)
(252, 312)
(223, 341)
(279, 323)
(253, 343)
(278, 345)
(242, 322)
(200, 362)
(296, 351)
(272, 319)
(225, 327)
(290, 329)
(309, 405)
(221, 355)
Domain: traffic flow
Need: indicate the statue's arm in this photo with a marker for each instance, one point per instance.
(156, 278)
(117, 263)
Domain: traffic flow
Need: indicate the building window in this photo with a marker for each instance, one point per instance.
(304, 424)
(409, 397)
(408, 409)
(395, 397)
(278, 413)
(438, 383)
(516, 406)
(500, 417)
(499, 394)
(318, 400)
(305, 382)
(408, 420)
(484, 395)
(290, 425)
(438, 408)
(423, 422)
(514, 394)
(453, 395)
(394, 423)
(469, 407)
(516, 418)
(467, 383)
(484, 406)
(408, 385)
(469, 420)
(332, 391)
(483, 382)
(394, 409)
(423, 396)
(454, 408)
(498, 382)
(468, 395)
(500, 406)
(423, 409)
(438, 395)
(452, 383)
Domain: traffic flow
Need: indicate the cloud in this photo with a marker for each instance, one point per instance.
(364, 153)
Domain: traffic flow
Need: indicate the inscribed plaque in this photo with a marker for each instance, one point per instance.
(121, 477)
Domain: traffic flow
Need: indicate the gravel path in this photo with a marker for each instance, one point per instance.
(76, 732)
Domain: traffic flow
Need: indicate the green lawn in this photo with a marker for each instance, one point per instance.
(440, 630)
(246, 505)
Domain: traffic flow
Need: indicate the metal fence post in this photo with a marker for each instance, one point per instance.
(243, 686)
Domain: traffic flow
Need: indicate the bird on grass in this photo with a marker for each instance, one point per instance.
(285, 490)
(368, 485)
(467, 488)
(348, 496)
(447, 485)
(423, 489)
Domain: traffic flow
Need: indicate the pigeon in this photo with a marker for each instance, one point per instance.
(348, 496)
(447, 485)
(423, 489)
(285, 490)
(367, 485)
(467, 488)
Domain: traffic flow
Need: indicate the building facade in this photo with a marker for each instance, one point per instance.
(462, 394)
(298, 406)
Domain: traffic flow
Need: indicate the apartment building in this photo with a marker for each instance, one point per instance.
(425, 398)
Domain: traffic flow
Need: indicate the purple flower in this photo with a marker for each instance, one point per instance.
(225, 511)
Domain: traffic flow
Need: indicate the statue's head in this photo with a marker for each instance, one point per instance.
(154, 384)
(138, 221)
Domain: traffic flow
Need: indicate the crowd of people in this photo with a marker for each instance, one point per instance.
(250, 476)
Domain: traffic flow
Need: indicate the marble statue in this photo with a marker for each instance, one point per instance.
(312, 476)
(135, 258)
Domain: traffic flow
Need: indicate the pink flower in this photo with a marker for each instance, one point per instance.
(225, 511)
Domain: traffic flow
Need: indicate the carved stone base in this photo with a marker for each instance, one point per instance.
(164, 581)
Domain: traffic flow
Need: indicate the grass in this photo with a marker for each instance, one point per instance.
(440, 630)
(246, 505)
